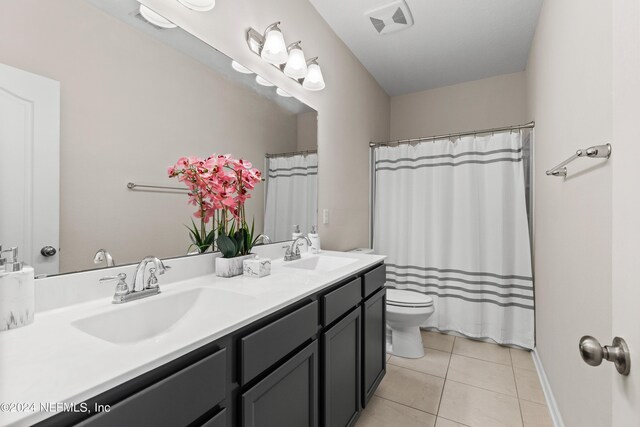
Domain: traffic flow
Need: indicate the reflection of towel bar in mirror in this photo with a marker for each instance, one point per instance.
(595, 152)
(133, 186)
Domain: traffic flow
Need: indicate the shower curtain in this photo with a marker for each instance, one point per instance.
(292, 195)
(451, 216)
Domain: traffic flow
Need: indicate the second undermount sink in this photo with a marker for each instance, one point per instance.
(151, 317)
(321, 263)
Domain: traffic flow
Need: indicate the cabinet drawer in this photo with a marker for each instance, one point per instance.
(338, 302)
(264, 347)
(176, 400)
(374, 280)
(219, 420)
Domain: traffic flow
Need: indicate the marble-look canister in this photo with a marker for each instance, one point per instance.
(17, 298)
(256, 267)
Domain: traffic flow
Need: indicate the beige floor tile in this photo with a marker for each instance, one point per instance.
(535, 415)
(483, 374)
(385, 413)
(522, 359)
(479, 408)
(411, 388)
(529, 387)
(388, 357)
(434, 362)
(443, 422)
(437, 341)
(482, 350)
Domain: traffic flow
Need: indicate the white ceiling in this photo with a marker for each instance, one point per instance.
(451, 41)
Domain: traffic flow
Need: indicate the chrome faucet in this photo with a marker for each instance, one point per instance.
(103, 255)
(124, 293)
(293, 251)
(138, 277)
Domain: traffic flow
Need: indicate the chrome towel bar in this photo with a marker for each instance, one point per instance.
(595, 152)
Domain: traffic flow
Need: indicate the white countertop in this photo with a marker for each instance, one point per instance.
(52, 361)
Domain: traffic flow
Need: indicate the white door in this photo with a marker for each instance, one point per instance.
(626, 205)
(30, 166)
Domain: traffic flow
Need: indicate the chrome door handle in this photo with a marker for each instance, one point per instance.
(618, 353)
(48, 251)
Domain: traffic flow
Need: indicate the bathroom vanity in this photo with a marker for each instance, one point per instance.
(300, 347)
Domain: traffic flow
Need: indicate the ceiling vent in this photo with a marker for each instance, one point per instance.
(390, 18)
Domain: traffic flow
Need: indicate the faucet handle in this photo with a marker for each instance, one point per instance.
(108, 279)
(121, 288)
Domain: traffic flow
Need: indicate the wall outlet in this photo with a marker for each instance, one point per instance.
(325, 216)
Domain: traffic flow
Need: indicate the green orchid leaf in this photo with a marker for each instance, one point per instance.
(227, 246)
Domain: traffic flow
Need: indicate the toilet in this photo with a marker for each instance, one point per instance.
(406, 311)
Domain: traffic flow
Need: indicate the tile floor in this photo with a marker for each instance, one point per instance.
(459, 382)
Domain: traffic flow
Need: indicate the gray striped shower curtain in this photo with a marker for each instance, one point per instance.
(451, 216)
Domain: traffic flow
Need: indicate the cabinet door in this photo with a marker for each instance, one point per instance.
(288, 397)
(341, 351)
(374, 343)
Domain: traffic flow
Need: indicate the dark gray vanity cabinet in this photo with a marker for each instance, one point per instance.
(341, 353)
(288, 397)
(315, 362)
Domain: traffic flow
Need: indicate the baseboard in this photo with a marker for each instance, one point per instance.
(548, 394)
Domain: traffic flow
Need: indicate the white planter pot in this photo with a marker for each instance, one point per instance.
(229, 267)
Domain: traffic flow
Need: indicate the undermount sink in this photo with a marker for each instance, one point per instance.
(321, 263)
(151, 317)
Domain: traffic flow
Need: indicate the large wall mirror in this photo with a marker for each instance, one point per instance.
(134, 98)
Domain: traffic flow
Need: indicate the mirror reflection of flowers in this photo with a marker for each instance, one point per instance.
(219, 186)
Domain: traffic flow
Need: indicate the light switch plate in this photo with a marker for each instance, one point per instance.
(325, 216)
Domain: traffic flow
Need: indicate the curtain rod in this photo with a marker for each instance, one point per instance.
(290, 154)
(452, 135)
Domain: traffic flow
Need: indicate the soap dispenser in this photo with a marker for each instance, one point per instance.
(17, 291)
(314, 237)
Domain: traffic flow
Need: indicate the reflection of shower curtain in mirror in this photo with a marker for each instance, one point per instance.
(452, 218)
(292, 195)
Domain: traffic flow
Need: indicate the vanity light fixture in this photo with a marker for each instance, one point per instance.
(240, 68)
(263, 82)
(314, 80)
(282, 93)
(289, 60)
(198, 5)
(155, 18)
(296, 66)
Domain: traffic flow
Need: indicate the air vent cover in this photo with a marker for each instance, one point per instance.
(390, 18)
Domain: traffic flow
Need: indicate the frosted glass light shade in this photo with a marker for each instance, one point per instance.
(240, 68)
(155, 18)
(198, 5)
(282, 93)
(296, 67)
(263, 82)
(274, 50)
(314, 80)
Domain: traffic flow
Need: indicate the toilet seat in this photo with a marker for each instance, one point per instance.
(409, 299)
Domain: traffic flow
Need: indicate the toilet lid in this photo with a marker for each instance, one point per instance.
(403, 298)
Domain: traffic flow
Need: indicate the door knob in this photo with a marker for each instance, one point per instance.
(48, 251)
(618, 353)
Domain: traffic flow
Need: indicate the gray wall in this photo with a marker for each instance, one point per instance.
(481, 104)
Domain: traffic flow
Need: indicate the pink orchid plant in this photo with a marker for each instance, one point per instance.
(219, 186)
